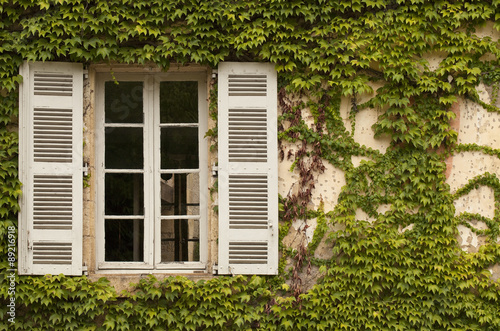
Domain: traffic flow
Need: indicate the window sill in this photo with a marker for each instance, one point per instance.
(140, 268)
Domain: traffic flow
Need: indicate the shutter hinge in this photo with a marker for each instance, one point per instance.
(30, 245)
(215, 72)
(85, 169)
(85, 73)
(215, 170)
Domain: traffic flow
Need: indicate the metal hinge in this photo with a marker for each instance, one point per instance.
(85, 169)
(215, 170)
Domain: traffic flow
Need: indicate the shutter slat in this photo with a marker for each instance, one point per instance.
(247, 85)
(247, 134)
(53, 84)
(248, 188)
(53, 135)
(248, 252)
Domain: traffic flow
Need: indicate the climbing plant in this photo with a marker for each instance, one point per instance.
(400, 268)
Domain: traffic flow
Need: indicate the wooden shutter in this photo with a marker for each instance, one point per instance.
(50, 168)
(248, 175)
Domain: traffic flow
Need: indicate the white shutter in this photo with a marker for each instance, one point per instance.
(248, 169)
(50, 168)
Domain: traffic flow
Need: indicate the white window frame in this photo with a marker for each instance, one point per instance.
(152, 207)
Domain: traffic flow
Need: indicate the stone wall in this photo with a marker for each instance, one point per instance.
(474, 125)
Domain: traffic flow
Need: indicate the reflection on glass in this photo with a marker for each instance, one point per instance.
(179, 102)
(179, 148)
(123, 102)
(124, 148)
(180, 240)
(124, 240)
(180, 194)
(124, 194)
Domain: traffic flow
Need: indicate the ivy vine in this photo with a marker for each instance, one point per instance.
(399, 269)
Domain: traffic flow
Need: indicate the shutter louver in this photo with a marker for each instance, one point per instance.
(247, 85)
(52, 202)
(50, 253)
(248, 202)
(248, 252)
(54, 84)
(51, 124)
(247, 135)
(53, 135)
(248, 205)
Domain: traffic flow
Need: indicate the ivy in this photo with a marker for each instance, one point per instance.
(399, 267)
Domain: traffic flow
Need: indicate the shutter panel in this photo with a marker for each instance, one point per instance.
(248, 169)
(50, 168)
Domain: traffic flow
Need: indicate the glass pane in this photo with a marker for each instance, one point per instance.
(180, 194)
(179, 102)
(123, 102)
(124, 240)
(180, 240)
(179, 148)
(124, 148)
(124, 194)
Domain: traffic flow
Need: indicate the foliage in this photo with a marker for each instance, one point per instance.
(380, 277)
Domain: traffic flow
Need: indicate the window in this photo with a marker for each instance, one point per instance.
(152, 170)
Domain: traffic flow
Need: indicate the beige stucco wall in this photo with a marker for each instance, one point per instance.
(477, 126)
(474, 125)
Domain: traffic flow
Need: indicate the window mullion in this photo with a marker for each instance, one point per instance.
(156, 200)
(149, 186)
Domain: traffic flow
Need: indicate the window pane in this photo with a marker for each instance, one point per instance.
(124, 194)
(123, 102)
(180, 194)
(124, 148)
(179, 102)
(124, 240)
(179, 148)
(180, 240)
